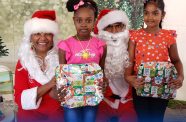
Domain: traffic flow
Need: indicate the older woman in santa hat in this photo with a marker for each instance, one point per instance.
(112, 26)
(34, 74)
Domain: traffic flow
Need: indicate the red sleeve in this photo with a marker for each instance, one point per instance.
(171, 37)
(21, 83)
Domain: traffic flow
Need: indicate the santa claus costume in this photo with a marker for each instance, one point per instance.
(29, 76)
(118, 103)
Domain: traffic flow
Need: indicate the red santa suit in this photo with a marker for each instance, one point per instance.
(29, 76)
(117, 102)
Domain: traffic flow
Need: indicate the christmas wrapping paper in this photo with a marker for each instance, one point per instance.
(156, 76)
(81, 83)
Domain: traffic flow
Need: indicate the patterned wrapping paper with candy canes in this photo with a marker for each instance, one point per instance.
(81, 82)
(156, 76)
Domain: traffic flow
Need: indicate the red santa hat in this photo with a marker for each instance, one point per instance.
(107, 17)
(41, 21)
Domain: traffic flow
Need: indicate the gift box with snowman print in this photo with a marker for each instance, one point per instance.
(157, 76)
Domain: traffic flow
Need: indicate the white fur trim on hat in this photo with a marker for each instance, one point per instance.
(111, 18)
(36, 25)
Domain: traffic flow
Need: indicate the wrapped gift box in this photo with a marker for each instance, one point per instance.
(6, 82)
(156, 76)
(81, 82)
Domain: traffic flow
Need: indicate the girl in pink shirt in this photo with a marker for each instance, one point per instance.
(81, 51)
(82, 48)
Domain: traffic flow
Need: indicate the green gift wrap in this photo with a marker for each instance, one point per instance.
(157, 76)
(81, 83)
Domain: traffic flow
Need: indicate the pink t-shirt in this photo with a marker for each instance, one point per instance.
(74, 50)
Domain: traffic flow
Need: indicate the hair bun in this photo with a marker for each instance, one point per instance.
(87, 3)
(70, 4)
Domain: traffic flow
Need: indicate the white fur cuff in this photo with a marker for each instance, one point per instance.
(28, 99)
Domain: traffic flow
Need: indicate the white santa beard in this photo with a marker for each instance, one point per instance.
(119, 86)
(116, 60)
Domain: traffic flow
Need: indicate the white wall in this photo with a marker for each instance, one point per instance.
(176, 19)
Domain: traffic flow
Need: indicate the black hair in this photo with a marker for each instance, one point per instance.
(87, 4)
(160, 4)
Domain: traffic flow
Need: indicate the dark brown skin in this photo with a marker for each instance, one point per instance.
(84, 22)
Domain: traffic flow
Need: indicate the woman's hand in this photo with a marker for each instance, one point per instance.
(61, 93)
(58, 94)
(103, 85)
(52, 82)
(176, 83)
(44, 89)
(135, 82)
